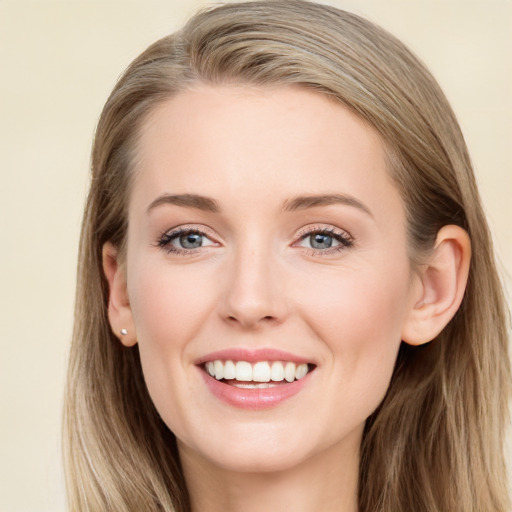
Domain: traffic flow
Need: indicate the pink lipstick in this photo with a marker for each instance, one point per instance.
(254, 379)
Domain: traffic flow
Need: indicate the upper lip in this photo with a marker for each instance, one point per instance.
(252, 356)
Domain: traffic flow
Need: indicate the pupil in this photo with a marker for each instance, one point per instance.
(191, 241)
(320, 241)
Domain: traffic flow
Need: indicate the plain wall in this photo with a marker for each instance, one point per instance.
(58, 63)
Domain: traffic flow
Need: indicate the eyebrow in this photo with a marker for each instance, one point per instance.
(208, 204)
(310, 201)
(187, 200)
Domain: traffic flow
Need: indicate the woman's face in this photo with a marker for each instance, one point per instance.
(265, 240)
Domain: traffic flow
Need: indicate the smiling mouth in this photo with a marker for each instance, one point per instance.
(258, 375)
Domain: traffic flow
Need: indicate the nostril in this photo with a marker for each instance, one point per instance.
(249, 321)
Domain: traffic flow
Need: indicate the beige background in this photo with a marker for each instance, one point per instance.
(58, 62)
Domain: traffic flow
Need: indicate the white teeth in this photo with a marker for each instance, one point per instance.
(277, 371)
(289, 372)
(261, 372)
(252, 385)
(243, 371)
(229, 370)
(219, 369)
(301, 371)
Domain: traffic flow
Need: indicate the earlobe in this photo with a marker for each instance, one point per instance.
(119, 310)
(440, 287)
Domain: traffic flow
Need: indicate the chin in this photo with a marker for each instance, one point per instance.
(255, 446)
(261, 460)
(269, 449)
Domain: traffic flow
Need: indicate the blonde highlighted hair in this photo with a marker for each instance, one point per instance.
(435, 444)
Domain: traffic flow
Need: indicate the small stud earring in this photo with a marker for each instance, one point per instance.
(124, 332)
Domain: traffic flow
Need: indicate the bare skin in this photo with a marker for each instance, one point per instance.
(264, 220)
(322, 484)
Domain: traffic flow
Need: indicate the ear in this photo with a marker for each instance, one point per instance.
(440, 286)
(119, 310)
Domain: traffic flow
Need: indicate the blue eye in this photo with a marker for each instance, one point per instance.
(325, 241)
(322, 241)
(190, 241)
(184, 240)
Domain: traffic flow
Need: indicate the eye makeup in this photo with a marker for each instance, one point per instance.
(317, 239)
(322, 240)
(185, 240)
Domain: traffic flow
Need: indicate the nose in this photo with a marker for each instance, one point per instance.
(254, 293)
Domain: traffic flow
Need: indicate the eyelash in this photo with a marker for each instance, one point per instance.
(344, 239)
(165, 241)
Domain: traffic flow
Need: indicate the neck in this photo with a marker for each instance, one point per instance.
(321, 483)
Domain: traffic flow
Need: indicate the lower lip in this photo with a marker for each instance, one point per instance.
(256, 398)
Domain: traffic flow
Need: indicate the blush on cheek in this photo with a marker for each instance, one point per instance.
(165, 302)
(363, 322)
(164, 378)
(167, 316)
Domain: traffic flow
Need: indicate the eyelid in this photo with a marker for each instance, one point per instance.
(344, 238)
(324, 228)
(165, 239)
(193, 228)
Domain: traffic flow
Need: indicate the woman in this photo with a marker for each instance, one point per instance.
(287, 294)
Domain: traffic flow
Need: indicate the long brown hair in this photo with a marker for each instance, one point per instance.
(436, 441)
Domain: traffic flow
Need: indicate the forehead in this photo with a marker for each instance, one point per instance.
(242, 141)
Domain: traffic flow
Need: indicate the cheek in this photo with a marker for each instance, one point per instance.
(168, 305)
(168, 310)
(368, 302)
(359, 317)
(360, 322)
